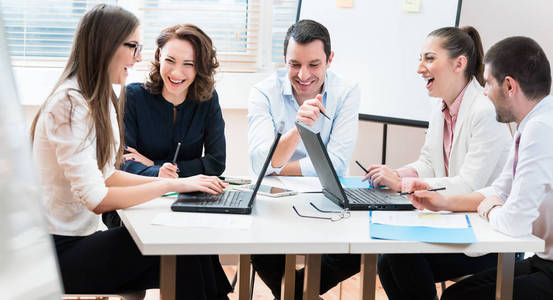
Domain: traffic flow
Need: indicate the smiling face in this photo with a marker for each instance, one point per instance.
(177, 69)
(307, 65)
(438, 70)
(124, 59)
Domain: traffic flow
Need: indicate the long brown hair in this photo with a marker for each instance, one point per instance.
(464, 41)
(205, 61)
(101, 31)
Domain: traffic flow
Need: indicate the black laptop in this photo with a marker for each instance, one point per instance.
(230, 201)
(353, 199)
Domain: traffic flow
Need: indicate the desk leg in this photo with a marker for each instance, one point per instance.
(312, 281)
(167, 277)
(505, 276)
(368, 276)
(244, 277)
(288, 286)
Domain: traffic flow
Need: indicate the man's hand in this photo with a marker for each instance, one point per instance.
(310, 111)
(487, 205)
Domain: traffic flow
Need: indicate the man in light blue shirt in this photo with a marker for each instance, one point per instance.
(300, 92)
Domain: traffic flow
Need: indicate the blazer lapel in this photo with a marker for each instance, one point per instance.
(438, 154)
(471, 93)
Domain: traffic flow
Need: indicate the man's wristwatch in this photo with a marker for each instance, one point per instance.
(486, 211)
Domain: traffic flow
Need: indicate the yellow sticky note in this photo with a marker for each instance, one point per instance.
(432, 216)
(344, 3)
(412, 6)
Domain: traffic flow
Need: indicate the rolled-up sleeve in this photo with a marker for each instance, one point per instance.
(75, 149)
(261, 131)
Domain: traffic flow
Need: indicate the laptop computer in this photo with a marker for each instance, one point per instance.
(353, 199)
(230, 201)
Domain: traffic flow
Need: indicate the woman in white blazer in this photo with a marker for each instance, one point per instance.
(465, 149)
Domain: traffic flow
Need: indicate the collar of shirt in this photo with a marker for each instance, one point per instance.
(532, 112)
(453, 110)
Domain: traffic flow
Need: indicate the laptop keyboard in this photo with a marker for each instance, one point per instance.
(226, 199)
(366, 196)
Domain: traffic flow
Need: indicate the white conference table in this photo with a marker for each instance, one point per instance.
(276, 229)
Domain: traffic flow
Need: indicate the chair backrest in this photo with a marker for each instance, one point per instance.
(28, 263)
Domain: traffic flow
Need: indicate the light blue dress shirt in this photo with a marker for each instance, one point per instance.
(272, 101)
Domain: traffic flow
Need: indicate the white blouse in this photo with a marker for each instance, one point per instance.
(65, 154)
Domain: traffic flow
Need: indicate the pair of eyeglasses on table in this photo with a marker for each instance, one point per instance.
(339, 214)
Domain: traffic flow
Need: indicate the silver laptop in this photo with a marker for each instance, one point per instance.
(353, 199)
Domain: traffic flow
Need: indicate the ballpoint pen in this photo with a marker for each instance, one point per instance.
(430, 190)
(176, 154)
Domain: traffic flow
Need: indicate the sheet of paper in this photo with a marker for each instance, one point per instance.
(180, 219)
(417, 218)
(300, 184)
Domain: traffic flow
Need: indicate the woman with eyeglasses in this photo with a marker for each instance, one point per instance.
(77, 144)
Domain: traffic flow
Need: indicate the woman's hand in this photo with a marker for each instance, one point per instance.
(201, 183)
(135, 156)
(382, 175)
(168, 170)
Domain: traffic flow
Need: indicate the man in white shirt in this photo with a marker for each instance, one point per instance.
(520, 200)
(304, 91)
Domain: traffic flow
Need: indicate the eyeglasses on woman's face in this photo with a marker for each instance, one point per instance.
(137, 48)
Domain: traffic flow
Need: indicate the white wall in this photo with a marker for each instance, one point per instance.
(531, 18)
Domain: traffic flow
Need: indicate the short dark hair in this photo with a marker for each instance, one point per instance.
(306, 31)
(463, 41)
(524, 60)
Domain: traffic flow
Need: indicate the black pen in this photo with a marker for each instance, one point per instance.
(322, 113)
(430, 190)
(361, 166)
(176, 154)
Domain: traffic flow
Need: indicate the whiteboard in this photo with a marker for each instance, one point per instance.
(378, 45)
(533, 18)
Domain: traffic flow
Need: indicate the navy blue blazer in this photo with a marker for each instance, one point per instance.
(151, 130)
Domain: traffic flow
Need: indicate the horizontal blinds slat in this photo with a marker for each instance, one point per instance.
(41, 33)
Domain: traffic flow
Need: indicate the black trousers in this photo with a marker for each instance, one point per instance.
(414, 276)
(334, 269)
(111, 219)
(109, 262)
(533, 280)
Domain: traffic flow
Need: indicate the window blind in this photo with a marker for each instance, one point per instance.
(284, 15)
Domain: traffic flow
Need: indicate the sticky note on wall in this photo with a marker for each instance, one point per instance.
(412, 6)
(344, 3)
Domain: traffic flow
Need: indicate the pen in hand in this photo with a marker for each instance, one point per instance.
(176, 154)
(322, 113)
(366, 172)
(430, 190)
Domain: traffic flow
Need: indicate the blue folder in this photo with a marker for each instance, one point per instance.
(355, 183)
(423, 234)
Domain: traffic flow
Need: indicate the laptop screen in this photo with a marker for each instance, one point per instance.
(322, 164)
(268, 159)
